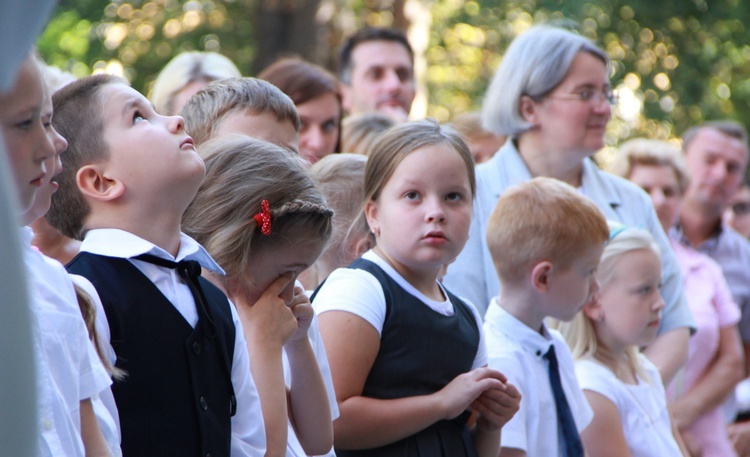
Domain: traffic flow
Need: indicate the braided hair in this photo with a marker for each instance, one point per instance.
(242, 172)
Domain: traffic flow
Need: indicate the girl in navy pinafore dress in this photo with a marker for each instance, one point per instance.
(407, 356)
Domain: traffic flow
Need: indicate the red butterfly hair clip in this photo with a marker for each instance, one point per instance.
(263, 218)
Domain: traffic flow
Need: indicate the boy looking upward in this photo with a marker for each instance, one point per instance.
(129, 174)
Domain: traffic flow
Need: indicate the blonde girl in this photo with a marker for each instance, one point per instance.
(341, 179)
(261, 217)
(407, 356)
(715, 359)
(624, 389)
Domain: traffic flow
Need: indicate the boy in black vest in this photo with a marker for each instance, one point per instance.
(129, 174)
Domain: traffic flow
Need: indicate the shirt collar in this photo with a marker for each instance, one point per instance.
(709, 245)
(26, 234)
(119, 243)
(536, 343)
(509, 161)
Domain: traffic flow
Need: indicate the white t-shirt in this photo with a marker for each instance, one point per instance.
(294, 448)
(359, 292)
(104, 404)
(643, 407)
(518, 352)
(69, 369)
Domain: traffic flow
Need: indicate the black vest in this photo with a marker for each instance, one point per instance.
(421, 351)
(177, 394)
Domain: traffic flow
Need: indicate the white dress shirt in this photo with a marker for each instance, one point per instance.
(248, 433)
(518, 352)
(69, 370)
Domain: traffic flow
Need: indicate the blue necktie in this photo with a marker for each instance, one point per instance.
(566, 426)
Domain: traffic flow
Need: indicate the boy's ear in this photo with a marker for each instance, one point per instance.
(373, 217)
(527, 108)
(93, 184)
(540, 275)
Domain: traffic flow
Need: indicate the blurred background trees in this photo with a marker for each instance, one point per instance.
(676, 62)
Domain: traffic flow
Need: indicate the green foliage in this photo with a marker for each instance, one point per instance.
(675, 62)
(137, 38)
(681, 61)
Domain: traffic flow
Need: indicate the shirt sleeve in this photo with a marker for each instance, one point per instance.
(676, 311)
(93, 377)
(354, 291)
(591, 376)
(316, 341)
(248, 430)
(726, 309)
(481, 358)
(514, 434)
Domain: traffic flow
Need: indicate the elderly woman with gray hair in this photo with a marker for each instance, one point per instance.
(552, 96)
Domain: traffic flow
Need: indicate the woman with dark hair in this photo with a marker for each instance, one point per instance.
(315, 92)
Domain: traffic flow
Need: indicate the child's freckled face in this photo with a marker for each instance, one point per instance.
(147, 151)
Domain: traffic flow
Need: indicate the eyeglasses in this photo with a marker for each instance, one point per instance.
(741, 208)
(591, 96)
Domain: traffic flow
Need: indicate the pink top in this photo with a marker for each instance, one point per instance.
(713, 308)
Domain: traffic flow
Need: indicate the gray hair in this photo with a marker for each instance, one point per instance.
(535, 63)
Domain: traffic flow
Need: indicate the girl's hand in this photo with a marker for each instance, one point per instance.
(269, 320)
(496, 407)
(303, 312)
(467, 387)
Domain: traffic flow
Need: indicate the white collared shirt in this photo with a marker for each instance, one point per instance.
(68, 369)
(473, 274)
(518, 352)
(248, 432)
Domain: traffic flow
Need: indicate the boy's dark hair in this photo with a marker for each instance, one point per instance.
(79, 119)
(363, 36)
(731, 129)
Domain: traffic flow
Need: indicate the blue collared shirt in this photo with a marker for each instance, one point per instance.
(473, 274)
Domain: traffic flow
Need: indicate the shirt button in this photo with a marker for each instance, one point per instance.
(47, 424)
(197, 348)
(204, 404)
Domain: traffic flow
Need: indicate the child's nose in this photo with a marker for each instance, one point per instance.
(176, 124)
(435, 211)
(659, 304)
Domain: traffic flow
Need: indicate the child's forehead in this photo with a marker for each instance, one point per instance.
(118, 96)
(27, 94)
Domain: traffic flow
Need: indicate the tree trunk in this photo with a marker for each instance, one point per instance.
(285, 28)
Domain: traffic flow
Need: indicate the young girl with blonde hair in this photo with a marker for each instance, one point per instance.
(624, 389)
(340, 178)
(261, 217)
(407, 356)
